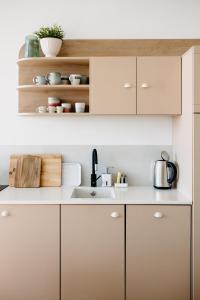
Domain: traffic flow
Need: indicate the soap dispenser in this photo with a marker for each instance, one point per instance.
(107, 178)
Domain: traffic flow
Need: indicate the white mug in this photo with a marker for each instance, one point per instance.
(51, 109)
(75, 79)
(42, 109)
(59, 109)
(80, 107)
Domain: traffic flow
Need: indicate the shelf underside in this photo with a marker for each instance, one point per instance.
(70, 114)
(42, 61)
(41, 88)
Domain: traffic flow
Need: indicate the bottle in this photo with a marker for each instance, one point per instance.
(32, 46)
(106, 178)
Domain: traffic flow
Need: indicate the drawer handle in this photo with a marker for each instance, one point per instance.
(115, 214)
(145, 85)
(5, 213)
(127, 85)
(158, 215)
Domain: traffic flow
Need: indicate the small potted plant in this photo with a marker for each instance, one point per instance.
(50, 39)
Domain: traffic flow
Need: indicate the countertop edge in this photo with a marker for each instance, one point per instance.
(134, 195)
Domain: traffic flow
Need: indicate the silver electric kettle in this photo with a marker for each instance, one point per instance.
(165, 172)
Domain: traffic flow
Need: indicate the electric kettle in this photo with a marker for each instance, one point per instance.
(165, 172)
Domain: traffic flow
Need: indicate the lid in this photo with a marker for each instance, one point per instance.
(164, 155)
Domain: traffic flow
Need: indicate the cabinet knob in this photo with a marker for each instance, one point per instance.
(145, 85)
(158, 215)
(127, 85)
(115, 214)
(5, 213)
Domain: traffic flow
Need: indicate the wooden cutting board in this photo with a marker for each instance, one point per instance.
(50, 170)
(12, 169)
(28, 172)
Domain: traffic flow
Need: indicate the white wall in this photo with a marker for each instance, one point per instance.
(87, 19)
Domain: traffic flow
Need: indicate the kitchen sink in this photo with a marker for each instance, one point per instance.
(93, 193)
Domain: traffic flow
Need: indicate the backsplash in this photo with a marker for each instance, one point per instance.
(135, 161)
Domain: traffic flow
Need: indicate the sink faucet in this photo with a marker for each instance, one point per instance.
(94, 177)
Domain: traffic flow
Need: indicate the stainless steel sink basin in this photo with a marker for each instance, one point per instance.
(93, 193)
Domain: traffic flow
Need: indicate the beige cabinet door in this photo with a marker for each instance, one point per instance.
(113, 85)
(196, 80)
(92, 252)
(29, 252)
(159, 85)
(158, 252)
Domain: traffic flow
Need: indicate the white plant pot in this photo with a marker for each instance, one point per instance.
(50, 46)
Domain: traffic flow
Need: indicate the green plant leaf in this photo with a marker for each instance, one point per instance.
(54, 31)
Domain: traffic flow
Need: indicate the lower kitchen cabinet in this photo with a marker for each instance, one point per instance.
(157, 252)
(29, 252)
(92, 252)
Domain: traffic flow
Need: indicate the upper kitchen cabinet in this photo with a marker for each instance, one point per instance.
(32, 95)
(113, 85)
(159, 85)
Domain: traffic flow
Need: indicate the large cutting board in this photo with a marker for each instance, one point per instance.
(50, 170)
(28, 172)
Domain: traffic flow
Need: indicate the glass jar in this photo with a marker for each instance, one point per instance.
(32, 48)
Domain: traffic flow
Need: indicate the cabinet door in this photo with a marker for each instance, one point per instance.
(158, 252)
(195, 63)
(29, 252)
(113, 85)
(92, 252)
(159, 85)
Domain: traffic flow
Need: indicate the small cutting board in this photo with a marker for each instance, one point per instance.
(12, 170)
(28, 171)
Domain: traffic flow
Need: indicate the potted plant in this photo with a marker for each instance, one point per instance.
(50, 39)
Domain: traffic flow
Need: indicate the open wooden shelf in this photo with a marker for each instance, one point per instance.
(41, 88)
(70, 114)
(31, 96)
(39, 61)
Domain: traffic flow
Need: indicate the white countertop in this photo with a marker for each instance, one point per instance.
(62, 195)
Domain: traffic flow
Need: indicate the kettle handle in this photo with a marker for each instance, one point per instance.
(174, 172)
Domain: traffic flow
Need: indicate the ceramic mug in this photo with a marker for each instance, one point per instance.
(59, 109)
(53, 101)
(66, 107)
(54, 78)
(75, 79)
(42, 109)
(80, 107)
(40, 80)
(65, 80)
(51, 109)
(84, 79)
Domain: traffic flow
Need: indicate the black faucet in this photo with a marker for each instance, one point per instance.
(94, 177)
